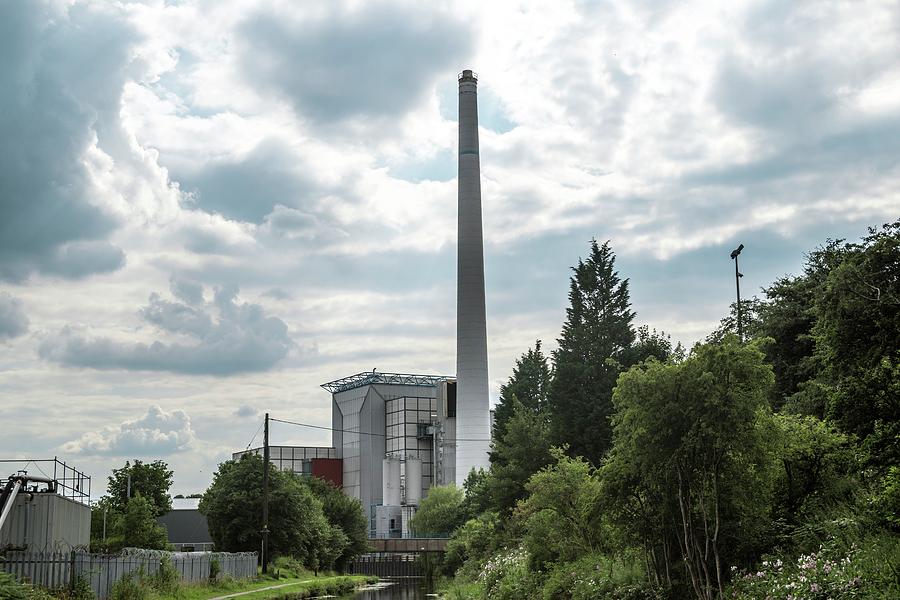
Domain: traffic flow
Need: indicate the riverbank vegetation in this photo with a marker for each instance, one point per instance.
(764, 467)
(287, 580)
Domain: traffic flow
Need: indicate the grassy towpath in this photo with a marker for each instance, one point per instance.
(271, 588)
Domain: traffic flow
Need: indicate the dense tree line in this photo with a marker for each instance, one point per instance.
(763, 467)
(310, 519)
(136, 494)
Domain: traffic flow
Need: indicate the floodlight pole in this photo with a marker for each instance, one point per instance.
(737, 282)
(265, 528)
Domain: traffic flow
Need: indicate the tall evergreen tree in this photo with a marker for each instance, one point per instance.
(594, 347)
(529, 384)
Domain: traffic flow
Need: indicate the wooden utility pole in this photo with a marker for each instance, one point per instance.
(265, 527)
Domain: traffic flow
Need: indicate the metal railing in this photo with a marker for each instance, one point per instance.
(70, 482)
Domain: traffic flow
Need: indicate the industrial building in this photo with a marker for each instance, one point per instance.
(395, 435)
(50, 510)
(187, 528)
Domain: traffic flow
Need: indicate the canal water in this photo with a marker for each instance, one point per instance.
(396, 589)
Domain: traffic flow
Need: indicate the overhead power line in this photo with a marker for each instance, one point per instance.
(255, 434)
(322, 427)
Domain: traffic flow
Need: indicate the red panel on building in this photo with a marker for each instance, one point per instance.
(329, 469)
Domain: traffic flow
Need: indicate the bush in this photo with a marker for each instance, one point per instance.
(166, 580)
(215, 569)
(130, 587)
(505, 576)
(10, 588)
(596, 576)
(827, 573)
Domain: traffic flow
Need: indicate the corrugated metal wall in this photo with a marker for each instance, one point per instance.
(44, 520)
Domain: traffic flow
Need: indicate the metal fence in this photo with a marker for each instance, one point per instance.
(55, 569)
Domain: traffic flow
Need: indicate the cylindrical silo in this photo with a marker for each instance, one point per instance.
(472, 405)
(413, 480)
(390, 481)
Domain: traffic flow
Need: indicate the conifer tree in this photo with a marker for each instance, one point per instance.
(594, 347)
(529, 383)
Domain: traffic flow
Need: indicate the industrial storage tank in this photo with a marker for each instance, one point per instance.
(413, 480)
(390, 482)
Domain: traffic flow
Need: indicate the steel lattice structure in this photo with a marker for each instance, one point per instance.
(370, 377)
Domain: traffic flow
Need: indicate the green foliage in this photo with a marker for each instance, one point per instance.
(834, 571)
(819, 466)
(563, 514)
(505, 576)
(347, 515)
(476, 493)
(594, 347)
(690, 468)
(130, 587)
(166, 580)
(888, 499)
(650, 344)
(596, 576)
(215, 570)
(10, 588)
(440, 513)
(297, 523)
(522, 450)
(150, 480)
(471, 545)
(528, 384)
(139, 526)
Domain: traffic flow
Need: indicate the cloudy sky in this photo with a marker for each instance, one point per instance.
(209, 208)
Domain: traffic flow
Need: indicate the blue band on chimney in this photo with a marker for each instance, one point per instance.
(461, 152)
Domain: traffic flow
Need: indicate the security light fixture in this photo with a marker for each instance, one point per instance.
(737, 282)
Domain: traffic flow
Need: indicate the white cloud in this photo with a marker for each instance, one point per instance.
(157, 433)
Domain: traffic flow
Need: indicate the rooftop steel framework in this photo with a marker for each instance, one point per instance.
(369, 377)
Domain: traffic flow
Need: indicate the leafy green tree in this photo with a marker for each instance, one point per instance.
(476, 493)
(529, 384)
(858, 341)
(113, 539)
(787, 317)
(818, 465)
(593, 348)
(441, 512)
(649, 344)
(563, 513)
(472, 544)
(139, 526)
(150, 480)
(690, 441)
(345, 513)
(522, 451)
(297, 524)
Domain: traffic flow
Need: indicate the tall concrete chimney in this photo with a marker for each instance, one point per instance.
(473, 430)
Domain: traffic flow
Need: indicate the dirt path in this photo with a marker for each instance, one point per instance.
(271, 587)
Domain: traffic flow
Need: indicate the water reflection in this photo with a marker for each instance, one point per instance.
(398, 589)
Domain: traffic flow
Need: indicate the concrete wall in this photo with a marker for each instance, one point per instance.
(39, 521)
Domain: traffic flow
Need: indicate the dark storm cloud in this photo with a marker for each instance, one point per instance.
(13, 321)
(377, 61)
(242, 339)
(58, 71)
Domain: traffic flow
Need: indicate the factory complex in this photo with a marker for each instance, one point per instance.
(395, 435)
